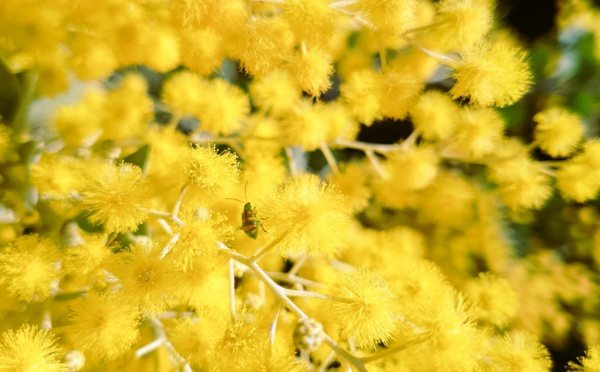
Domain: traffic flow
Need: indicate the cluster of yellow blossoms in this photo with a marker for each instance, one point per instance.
(132, 130)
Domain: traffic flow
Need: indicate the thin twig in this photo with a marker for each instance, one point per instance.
(149, 347)
(410, 140)
(232, 290)
(329, 157)
(280, 294)
(392, 350)
(273, 327)
(177, 205)
(291, 161)
(170, 244)
(364, 146)
(375, 162)
(297, 265)
(285, 277)
(450, 61)
(165, 225)
(326, 362)
(308, 294)
(264, 250)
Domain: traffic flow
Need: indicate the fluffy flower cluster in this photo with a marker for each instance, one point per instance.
(465, 238)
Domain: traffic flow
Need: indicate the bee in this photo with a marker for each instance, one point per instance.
(250, 221)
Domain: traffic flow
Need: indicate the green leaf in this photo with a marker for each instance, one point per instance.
(29, 150)
(582, 103)
(10, 93)
(86, 225)
(139, 157)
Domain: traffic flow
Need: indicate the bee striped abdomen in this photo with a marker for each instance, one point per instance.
(249, 222)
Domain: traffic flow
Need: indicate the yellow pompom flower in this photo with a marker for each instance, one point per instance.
(165, 50)
(212, 171)
(311, 70)
(260, 128)
(203, 285)
(398, 91)
(495, 301)
(130, 37)
(478, 132)
(306, 127)
(184, 92)
(30, 349)
(363, 305)
(340, 123)
(238, 346)
(520, 351)
(203, 52)
(447, 329)
(117, 197)
(558, 131)
(352, 182)
(146, 279)
(167, 147)
(413, 168)
(128, 110)
(87, 257)
(521, 183)
(308, 215)
(382, 250)
(455, 193)
(351, 61)
(388, 193)
(52, 74)
(79, 125)
(58, 177)
(461, 23)
(103, 327)
(276, 93)
(221, 15)
(387, 16)
(194, 340)
(434, 115)
(361, 94)
(491, 74)
(33, 29)
(199, 235)
(263, 172)
(28, 267)
(307, 16)
(579, 178)
(589, 363)
(222, 108)
(92, 59)
(268, 43)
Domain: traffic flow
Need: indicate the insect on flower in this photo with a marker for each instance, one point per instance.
(250, 220)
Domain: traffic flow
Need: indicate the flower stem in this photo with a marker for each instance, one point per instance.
(273, 326)
(291, 161)
(364, 146)
(285, 277)
(376, 164)
(232, 291)
(308, 294)
(177, 205)
(392, 350)
(281, 295)
(149, 347)
(329, 157)
(263, 251)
